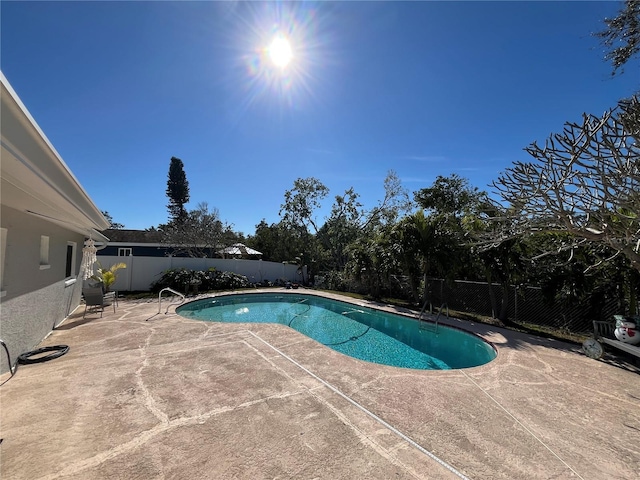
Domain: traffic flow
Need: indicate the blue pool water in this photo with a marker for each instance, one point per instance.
(360, 332)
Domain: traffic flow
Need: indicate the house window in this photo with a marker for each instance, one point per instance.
(124, 252)
(3, 250)
(70, 266)
(44, 252)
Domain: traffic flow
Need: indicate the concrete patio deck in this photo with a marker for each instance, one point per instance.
(142, 395)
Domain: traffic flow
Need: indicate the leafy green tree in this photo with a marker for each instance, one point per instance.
(298, 215)
(373, 262)
(301, 202)
(577, 282)
(407, 240)
(438, 239)
(348, 221)
(177, 191)
(264, 241)
(393, 206)
(450, 197)
(341, 229)
(508, 265)
(278, 242)
(451, 206)
(431, 243)
(621, 37)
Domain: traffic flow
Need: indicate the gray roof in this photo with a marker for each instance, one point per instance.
(133, 236)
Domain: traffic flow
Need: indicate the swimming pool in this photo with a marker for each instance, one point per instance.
(360, 332)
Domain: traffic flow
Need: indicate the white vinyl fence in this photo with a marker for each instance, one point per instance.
(141, 272)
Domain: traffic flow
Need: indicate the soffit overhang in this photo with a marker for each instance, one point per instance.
(35, 179)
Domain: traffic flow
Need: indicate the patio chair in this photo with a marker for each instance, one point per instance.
(94, 298)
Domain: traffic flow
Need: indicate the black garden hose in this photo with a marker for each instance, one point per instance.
(12, 369)
(350, 339)
(26, 358)
(57, 351)
(299, 314)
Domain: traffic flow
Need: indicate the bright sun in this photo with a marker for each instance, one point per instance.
(280, 52)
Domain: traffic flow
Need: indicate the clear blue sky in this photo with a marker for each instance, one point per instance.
(422, 88)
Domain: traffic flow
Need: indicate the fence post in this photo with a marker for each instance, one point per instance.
(515, 303)
(129, 272)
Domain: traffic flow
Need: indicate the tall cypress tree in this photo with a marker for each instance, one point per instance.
(177, 191)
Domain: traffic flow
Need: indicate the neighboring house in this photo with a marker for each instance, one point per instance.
(146, 260)
(45, 217)
(138, 243)
(141, 243)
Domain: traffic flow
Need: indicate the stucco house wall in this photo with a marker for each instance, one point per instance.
(45, 217)
(35, 298)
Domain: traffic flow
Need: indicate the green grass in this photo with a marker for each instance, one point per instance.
(556, 333)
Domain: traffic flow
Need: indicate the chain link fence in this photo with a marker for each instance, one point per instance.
(526, 304)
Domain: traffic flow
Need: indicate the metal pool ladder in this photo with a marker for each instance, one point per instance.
(183, 298)
(428, 325)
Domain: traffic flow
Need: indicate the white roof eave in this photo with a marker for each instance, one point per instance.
(35, 179)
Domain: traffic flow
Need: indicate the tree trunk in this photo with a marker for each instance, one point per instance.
(492, 294)
(504, 308)
(425, 292)
(633, 256)
(633, 294)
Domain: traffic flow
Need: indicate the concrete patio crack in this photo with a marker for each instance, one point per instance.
(148, 435)
(149, 402)
(528, 430)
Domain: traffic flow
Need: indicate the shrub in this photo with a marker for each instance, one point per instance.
(184, 280)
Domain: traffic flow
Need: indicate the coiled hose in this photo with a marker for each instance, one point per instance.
(33, 356)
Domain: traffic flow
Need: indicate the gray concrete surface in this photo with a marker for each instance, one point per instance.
(142, 395)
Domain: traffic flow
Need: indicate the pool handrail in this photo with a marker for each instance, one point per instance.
(167, 289)
(444, 305)
(424, 322)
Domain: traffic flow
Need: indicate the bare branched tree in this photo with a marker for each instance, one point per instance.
(585, 181)
(200, 234)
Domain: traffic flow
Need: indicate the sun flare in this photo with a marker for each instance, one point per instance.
(280, 52)
(282, 48)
